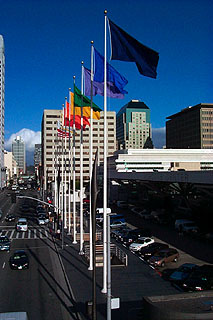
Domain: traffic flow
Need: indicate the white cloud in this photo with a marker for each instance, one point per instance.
(30, 138)
(159, 137)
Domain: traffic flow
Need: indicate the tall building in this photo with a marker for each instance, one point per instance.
(191, 128)
(18, 150)
(133, 125)
(50, 141)
(37, 155)
(2, 90)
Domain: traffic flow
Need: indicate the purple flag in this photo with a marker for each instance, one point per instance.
(98, 87)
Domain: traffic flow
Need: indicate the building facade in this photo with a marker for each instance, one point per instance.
(133, 125)
(52, 144)
(151, 160)
(18, 150)
(37, 155)
(2, 95)
(191, 128)
(11, 166)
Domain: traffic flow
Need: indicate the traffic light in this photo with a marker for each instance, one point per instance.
(13, 197)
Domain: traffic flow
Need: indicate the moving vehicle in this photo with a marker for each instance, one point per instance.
(42, 219)
(164, 256)
(10, 218)
(141, 243)
(22, 225)
(19, 260)
(4, 243)
(150, 250)
(129, 237)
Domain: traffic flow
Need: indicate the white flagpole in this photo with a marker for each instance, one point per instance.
(90, 163)
(104, 290)
(81, 169)
(62, 171)
(74, 202)
(69, 206)
(65, 171)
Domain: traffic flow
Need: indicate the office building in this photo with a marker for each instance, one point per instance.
(52, 145)
(37, 155)
(2, 90)
(152, 160)
(191, 128)
(18, 150)
(133, 126)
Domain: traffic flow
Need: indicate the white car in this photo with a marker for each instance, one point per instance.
(42, 219)
(22, 225)
(117, 224)
(141, 243)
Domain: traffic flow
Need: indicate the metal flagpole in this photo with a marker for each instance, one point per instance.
(104, 290)
(62, 168)
(90, 162)
(74, 204)
(65, 169)
(81, 168)
(69, 206)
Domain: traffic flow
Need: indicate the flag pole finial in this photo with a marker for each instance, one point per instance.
(65, 97)
(105, 12)
(92, 42)
(82, 62)
(73, 77)
(69, 89)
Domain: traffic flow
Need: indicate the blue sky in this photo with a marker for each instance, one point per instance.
(46, 40)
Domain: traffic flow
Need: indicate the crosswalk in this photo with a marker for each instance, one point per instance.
(35, 233)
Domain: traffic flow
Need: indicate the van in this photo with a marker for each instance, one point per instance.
(185, 225)
(22, 225)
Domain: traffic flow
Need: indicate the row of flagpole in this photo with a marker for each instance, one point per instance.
(123, 47)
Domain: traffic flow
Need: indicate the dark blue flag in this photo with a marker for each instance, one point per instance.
(126, 48)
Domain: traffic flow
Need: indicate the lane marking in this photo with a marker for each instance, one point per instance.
(3, 265)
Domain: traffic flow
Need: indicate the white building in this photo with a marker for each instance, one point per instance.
(2, 90)
(149, 160)
(50, 141)
(11, 166)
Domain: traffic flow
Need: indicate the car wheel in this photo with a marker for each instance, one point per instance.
(162, 264)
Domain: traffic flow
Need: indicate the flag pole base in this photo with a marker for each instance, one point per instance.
(90, 268)
(81, 252)
(104, 290)
(75, 242)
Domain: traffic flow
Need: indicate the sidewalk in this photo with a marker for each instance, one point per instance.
(129, 284)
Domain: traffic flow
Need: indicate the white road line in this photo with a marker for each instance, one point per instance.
(23, 234)
(3, 265)
(35, 236)
(29, 234)
(12, 233)
(17, 235)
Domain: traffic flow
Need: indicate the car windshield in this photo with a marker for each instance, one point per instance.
(3, 240)
(139, 241)
(189, 224)
(19, 256)
(21, 223)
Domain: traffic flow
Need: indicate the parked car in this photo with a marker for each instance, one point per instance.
(22, 225)
(117, 233)
(182, 273)
(10, 218)
(164, 256)
(4, 243)
(19, 260)
(140, 243)
(149, 251)
(199, 280)
(186, 226)
(134, 234)
(117, 224)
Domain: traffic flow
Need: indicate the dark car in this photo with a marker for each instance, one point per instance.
(199, 280)
(149, 251)
(164, 256)
(4, 243)
(19, 260)
(182, 273)
(10, 218)
(134, 234)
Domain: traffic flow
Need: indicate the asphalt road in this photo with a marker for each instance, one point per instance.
(36, 290)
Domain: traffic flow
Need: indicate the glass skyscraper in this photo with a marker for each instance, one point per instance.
(18, 150)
